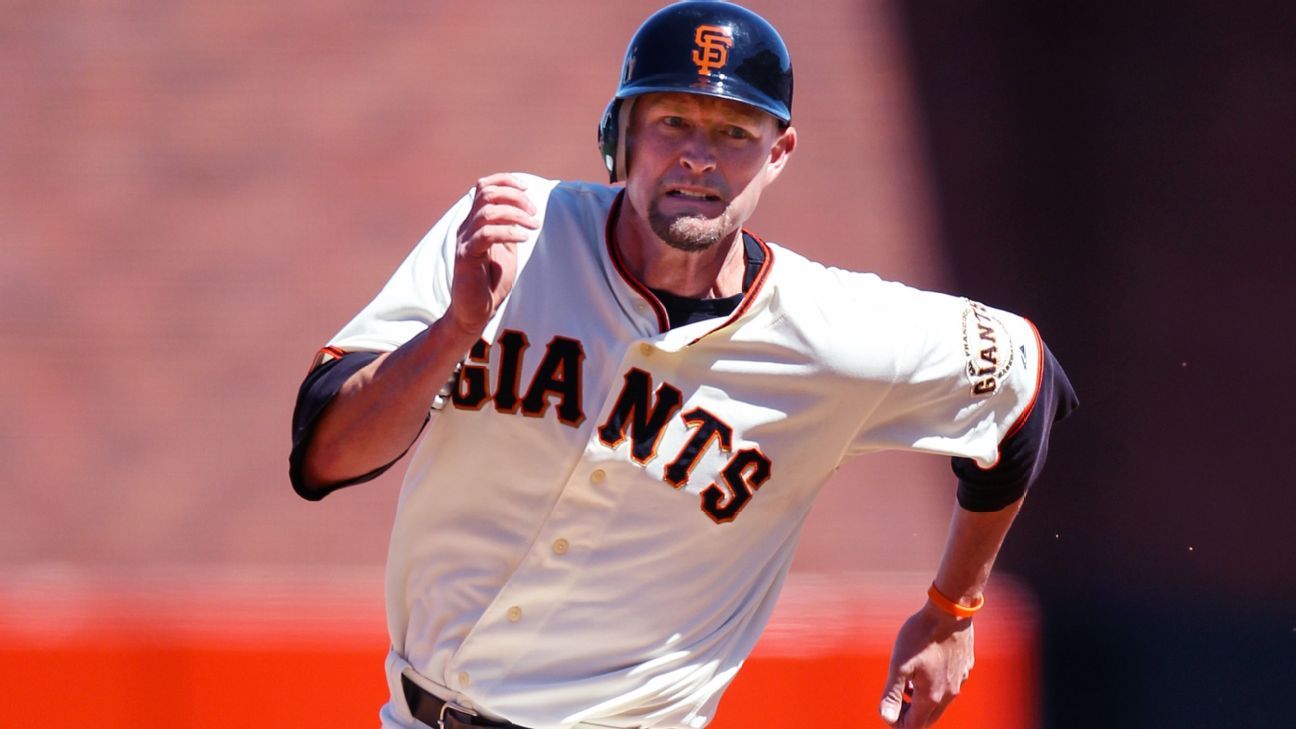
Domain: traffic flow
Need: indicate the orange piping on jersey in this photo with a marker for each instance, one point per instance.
(750, 295)
(325, 354)
(663, 321)
(1030, 406)
(1039, 381)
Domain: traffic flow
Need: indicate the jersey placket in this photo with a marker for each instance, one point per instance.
(500, 643)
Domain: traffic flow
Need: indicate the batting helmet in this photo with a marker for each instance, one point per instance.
(699, 47)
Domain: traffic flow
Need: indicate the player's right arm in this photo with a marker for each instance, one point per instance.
(380, 408)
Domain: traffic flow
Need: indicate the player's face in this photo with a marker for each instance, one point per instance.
(697, 165)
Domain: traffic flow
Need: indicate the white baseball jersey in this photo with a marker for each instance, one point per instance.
(595, 527)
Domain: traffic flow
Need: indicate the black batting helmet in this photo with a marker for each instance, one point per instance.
(699, 47)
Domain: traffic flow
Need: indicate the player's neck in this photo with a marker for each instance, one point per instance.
(712, 273)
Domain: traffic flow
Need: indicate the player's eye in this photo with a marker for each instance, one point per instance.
(672, 121)
(737, 133)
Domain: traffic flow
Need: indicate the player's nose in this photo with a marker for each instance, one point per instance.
(697, 154)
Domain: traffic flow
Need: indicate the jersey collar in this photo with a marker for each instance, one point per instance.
(750, 295)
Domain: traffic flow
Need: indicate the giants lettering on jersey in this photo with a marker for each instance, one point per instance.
(988, 348)
(559, 374)
(639, 414)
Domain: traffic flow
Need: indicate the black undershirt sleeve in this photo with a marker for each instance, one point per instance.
(1022, 454)
(317, 391)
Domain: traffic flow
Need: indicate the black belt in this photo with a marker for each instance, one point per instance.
(434, 712)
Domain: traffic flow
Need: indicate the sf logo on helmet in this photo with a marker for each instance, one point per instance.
(713, 44)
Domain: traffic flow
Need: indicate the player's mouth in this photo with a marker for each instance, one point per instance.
(694, 194)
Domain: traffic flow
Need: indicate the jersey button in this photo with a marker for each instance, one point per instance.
(514, 614)
(645, 349)
(561, 546)
(464, 679)
(598, 476)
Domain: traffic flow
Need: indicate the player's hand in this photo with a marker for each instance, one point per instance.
(486, 252)
(931, 659)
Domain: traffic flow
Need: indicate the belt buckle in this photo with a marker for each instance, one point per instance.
(448, 706)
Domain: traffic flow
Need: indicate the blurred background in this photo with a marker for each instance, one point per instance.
(195, 197)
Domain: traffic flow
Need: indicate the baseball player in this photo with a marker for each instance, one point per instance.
(621, 405)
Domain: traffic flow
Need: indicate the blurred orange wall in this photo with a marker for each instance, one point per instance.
(231, 653)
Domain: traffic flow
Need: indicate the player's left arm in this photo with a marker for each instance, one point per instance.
(933, 652)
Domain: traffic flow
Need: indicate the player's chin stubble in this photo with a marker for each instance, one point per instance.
(688, 233)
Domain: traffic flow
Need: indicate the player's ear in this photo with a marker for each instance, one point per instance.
(780, 151)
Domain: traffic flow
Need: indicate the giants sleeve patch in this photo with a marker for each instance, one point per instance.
(987, 347)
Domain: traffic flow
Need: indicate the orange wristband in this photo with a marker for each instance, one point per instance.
(949, 606)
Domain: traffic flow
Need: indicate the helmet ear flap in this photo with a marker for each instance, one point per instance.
(611, 137)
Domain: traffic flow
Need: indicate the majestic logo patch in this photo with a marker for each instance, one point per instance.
(713, 44)
(988, 348)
